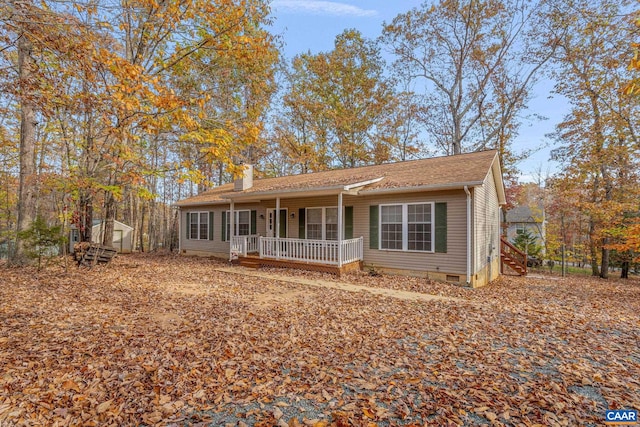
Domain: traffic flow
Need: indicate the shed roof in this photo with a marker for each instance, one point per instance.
(115, 221)
(426, 174)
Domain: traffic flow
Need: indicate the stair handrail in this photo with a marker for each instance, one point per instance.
(515, 254)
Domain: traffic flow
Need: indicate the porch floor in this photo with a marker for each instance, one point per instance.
(252, 261)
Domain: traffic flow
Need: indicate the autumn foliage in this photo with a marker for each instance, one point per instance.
(173, 341)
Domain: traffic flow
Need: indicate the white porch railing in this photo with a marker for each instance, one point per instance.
(311, 251)
(352, 250)
(242, 245)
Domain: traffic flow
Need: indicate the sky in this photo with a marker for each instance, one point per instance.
(312, 25)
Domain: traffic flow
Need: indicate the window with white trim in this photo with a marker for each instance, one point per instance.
(322, 223)
(331, 223)
(407, 227)
(314, 223)
(419, 227)
(520, 228)
(199, 225)
(391, 227)
(241, 223)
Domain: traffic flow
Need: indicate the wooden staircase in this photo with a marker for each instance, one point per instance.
(90, 254)
(513, 258)
(249, 262)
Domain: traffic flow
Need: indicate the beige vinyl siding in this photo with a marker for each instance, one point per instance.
(451, 262)
(487, 228)
(216, 246)
(454, 261)
(294, 205)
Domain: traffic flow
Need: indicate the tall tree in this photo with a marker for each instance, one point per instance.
(477, 61)
(599, 136)
(336, 107)
(21, 26)
(26, 186)
(108, 85)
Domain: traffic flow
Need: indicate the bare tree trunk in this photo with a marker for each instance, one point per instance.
(27, 184)
(142, 211)
(604, 266)
(624, 271)
(109, 218)
(174, 238)
(151, 226)
(85, 215)
(593, 250)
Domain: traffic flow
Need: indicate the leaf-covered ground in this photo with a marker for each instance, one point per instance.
(161, 340)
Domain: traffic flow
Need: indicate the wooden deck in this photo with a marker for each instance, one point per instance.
(256, 262)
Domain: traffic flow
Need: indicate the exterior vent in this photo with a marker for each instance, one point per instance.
(452, 278)
(246, 180)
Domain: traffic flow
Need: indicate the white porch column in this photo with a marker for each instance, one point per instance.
(231, 227)
(277, 220)
(340, 231)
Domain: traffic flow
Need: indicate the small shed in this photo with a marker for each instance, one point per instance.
(122, 236)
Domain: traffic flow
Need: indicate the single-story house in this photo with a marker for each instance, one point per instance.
(122, 236)
(436, 217)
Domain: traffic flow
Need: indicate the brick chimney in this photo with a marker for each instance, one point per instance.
(246, 179)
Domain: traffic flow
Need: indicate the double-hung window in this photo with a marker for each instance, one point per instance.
(241, 223)
(407, 227)
(391, 227)
(198, 225)
(322, 223)
(419, 227)
(331, 223)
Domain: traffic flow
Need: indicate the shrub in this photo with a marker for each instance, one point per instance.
(42, 241)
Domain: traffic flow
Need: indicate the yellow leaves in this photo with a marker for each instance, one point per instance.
(104, 406)
(367, 413)
(306, 356)
(71, 385)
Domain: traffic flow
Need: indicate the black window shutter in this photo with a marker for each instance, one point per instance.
(283, 224)
(441, 228)
(188, 226)
(348, 222)
(254, 220)
(373, 227)
(224, 226)
(301, 223)
(211, 225)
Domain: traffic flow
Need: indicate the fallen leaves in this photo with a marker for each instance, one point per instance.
(164, 340)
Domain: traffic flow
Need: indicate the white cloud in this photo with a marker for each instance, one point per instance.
(318, 7)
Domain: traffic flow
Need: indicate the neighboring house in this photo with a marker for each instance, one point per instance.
(122, 235)
(525, 218)
(437, 218)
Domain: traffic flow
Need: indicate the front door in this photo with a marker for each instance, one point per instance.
(271, 224)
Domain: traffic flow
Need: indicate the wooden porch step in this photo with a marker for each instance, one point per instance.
(250, 262)
(515, 266)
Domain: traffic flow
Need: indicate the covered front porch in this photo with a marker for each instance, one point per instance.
(302, 251)
(322, 239)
